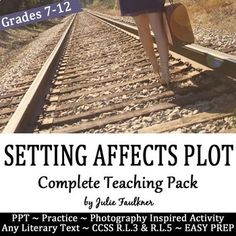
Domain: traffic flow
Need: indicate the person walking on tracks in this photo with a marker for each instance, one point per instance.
(148, 13)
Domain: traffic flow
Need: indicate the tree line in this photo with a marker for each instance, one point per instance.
(10, 6)
(94, 2)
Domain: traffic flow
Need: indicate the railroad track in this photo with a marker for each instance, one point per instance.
(99, 80)
(11, 98)
(229, 49)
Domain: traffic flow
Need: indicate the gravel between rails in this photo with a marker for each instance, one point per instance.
(88, 104)
(99, 88)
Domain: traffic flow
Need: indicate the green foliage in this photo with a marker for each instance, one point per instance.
(106, 3)
(9, 6)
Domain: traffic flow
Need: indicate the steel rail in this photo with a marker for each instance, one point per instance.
(23, 118)
(221, 63)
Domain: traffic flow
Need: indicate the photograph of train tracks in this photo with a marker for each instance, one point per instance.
(90, 73)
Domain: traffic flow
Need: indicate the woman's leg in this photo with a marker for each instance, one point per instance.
(156, 22)
(142, 22)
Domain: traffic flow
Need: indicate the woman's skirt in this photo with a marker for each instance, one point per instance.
(137, 7)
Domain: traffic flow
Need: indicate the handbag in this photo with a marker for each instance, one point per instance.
(177, 24)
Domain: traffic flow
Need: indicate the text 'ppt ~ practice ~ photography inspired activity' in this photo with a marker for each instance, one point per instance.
(117, 116)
